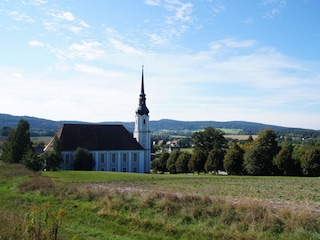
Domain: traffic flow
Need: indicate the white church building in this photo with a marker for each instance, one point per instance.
(112, 146)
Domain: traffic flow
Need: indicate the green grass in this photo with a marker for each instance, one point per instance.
(108, 205)
(282, 188)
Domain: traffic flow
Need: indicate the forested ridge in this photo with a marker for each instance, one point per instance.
(45, 127)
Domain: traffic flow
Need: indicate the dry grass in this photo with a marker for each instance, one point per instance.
(11, 225)
(15, 170)
(37, 184)
(241, 214)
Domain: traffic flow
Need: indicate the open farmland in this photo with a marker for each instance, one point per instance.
(105, 205)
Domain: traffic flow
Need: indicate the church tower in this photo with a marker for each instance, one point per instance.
(141, 129)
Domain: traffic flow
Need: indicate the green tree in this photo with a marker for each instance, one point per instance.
(17, 143)
(197, 161)
(7, 147)
(258, 160)
(214, 161)
(52, 161)
(159, 164)
(310, 162)
(284, 161)
(267, 138)
(182, 162)
(250, 139)
(185, 142)
(83, 160)
(208, 139)
(4, 131)
(172, 161)
(233, 160)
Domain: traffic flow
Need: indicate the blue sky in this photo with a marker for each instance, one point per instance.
(253, 60)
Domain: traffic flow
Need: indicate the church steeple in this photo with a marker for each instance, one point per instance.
(141, 128)
(142, 109)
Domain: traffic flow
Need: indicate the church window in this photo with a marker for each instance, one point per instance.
(102, 158)
(135, 169)
(124, 169)
(113, 169)
(113, 157)
(124, 158)
(144, 121)
(135, 157)
(102, 169)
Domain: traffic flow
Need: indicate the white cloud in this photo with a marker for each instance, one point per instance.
(182, 12)
(217, 7)
(123, 47)
(17, 75)
(18, 16)
(274, 7)
(35, 44)
(75, 29)
(232, 43)
(157, 39)
(84, 24)
(36, 2)
(153, 2)
(177, 20)
(106, 74)
(78, 27)
(86, 50)
(65, 16)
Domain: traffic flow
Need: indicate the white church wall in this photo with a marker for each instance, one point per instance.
(116, 161)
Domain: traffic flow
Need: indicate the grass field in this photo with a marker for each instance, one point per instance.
(44, 139)
(240, 137)
(105, 205)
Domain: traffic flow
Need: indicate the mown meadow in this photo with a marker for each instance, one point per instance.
(105, 205)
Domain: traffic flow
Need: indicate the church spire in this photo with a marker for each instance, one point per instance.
(142, 83)
(142, 109)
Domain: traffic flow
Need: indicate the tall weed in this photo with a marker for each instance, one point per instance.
(42, 223)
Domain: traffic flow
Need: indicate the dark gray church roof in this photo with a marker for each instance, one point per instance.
(96, 137)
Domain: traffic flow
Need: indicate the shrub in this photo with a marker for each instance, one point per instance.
(32, 161)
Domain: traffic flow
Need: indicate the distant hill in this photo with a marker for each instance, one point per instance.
(45, 127)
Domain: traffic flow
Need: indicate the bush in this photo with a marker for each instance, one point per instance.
(32, 161)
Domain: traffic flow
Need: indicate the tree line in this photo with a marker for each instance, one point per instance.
(211, 153)
(264, 156)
